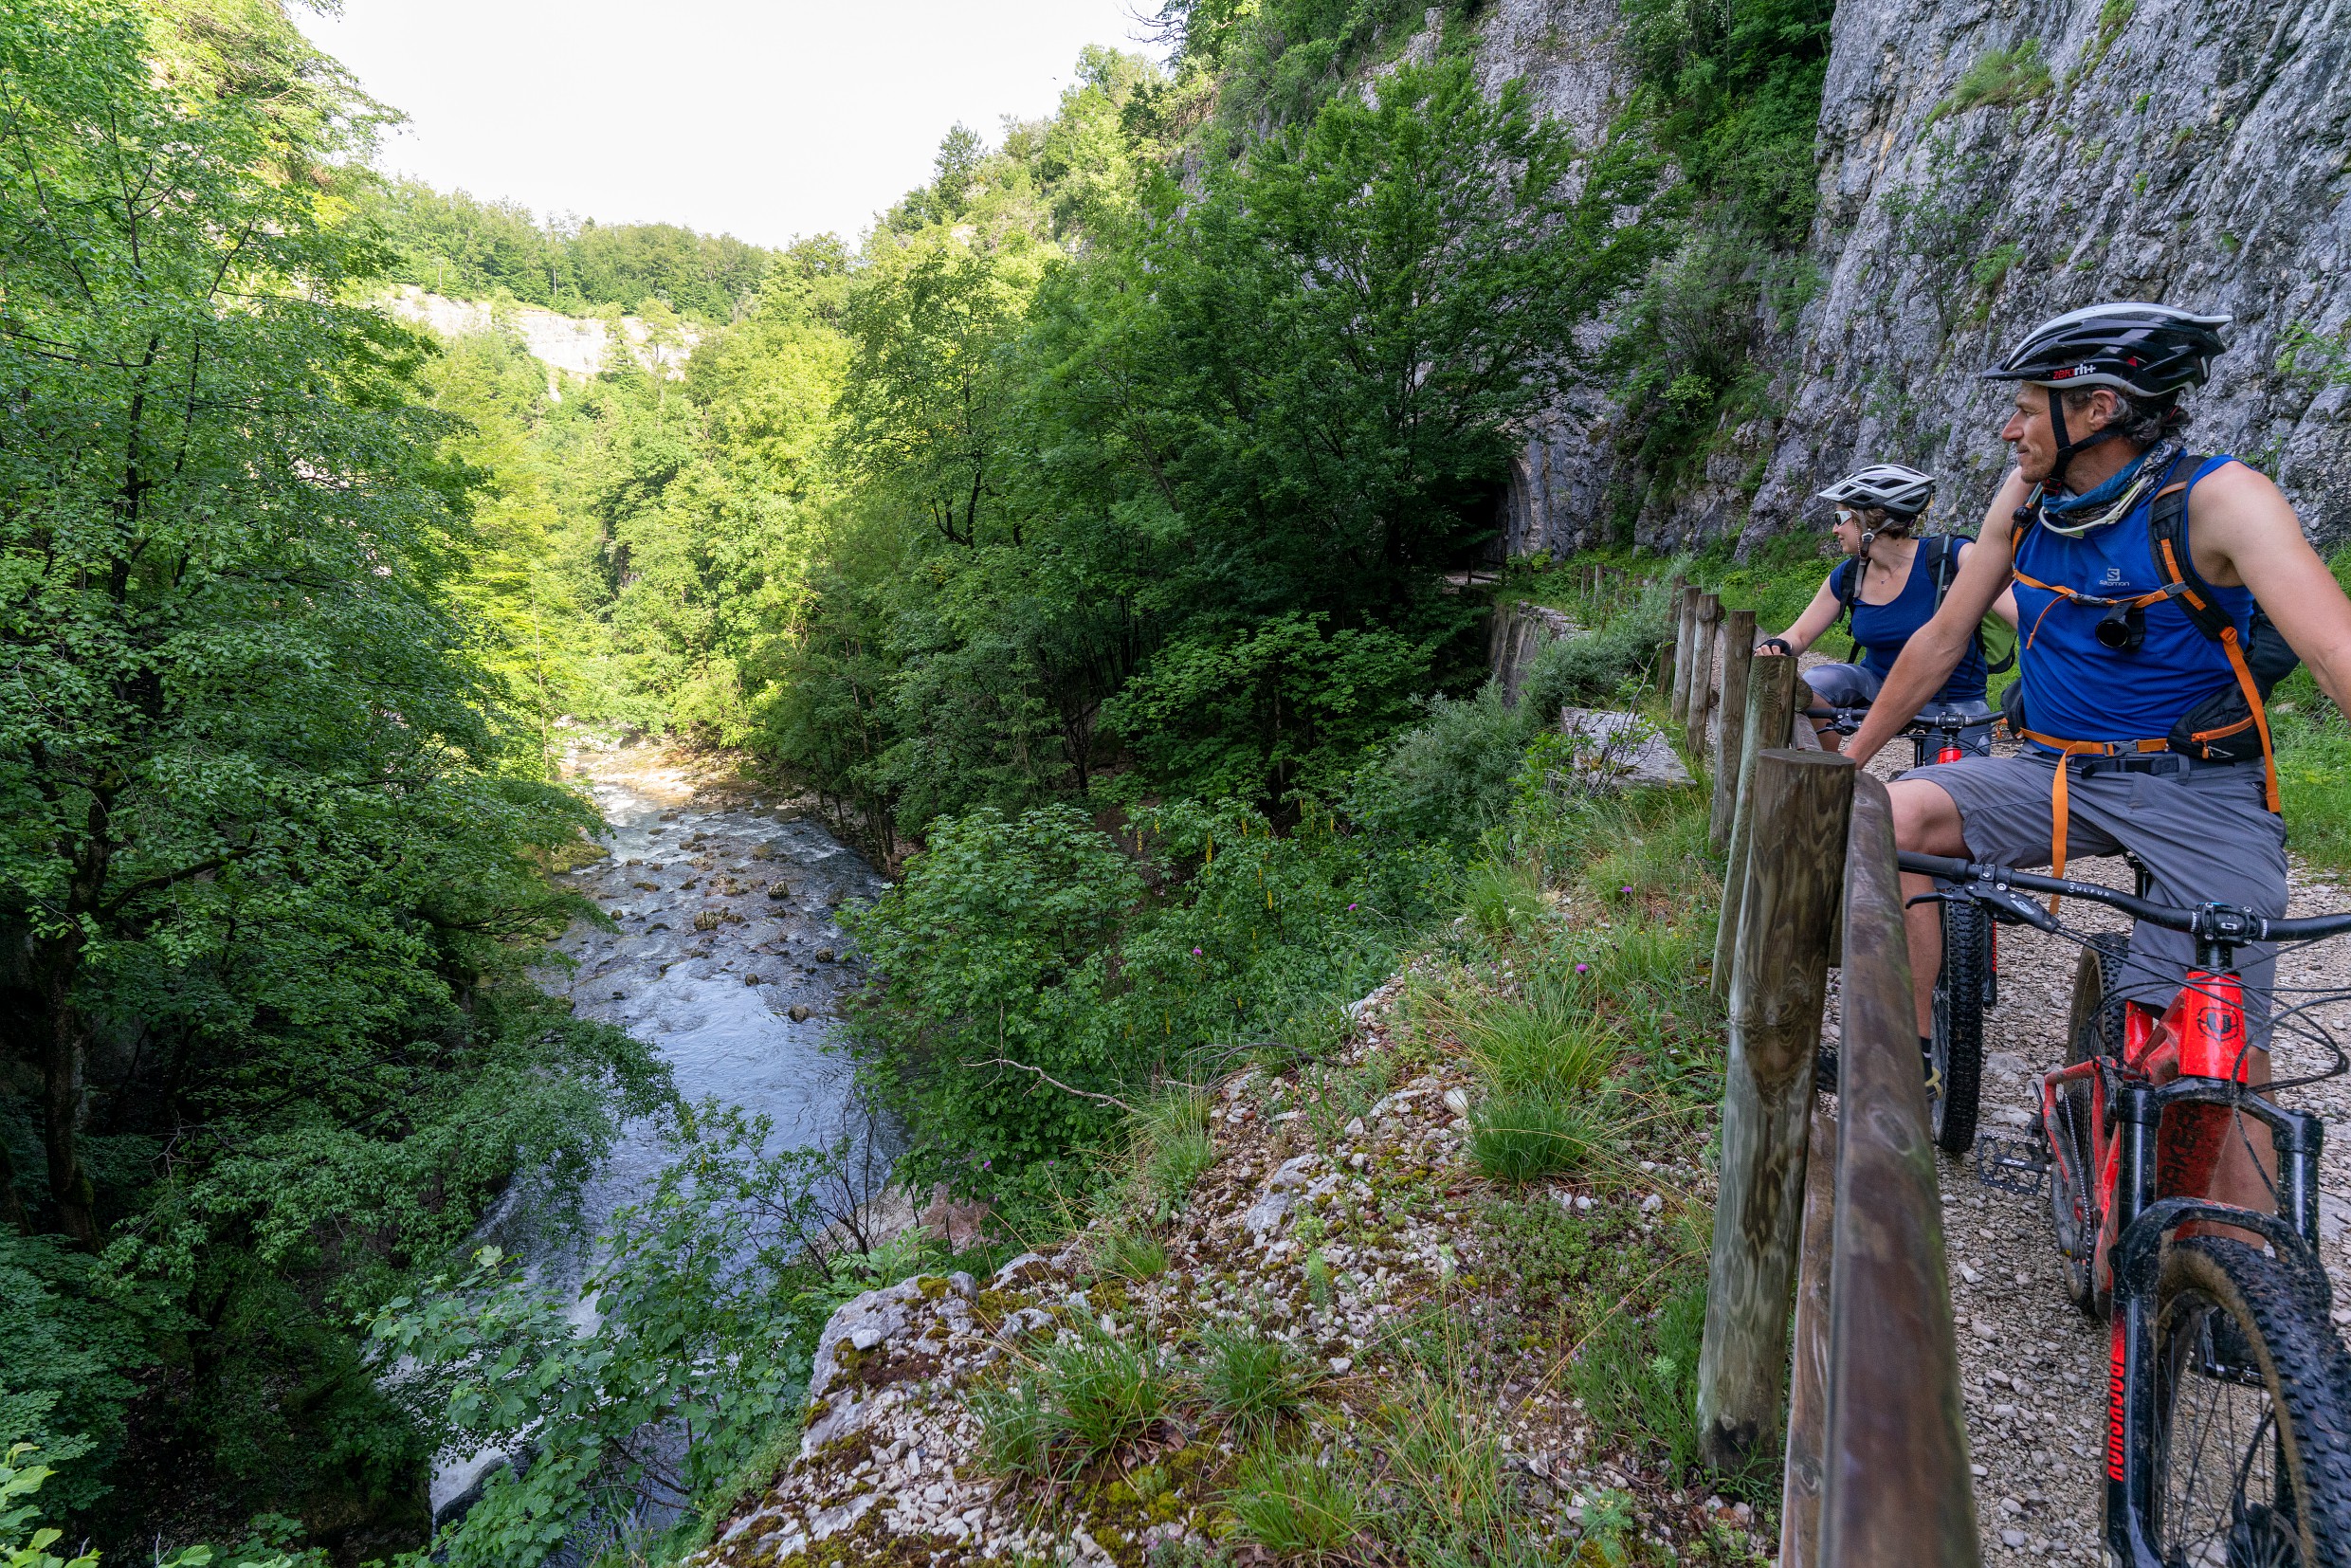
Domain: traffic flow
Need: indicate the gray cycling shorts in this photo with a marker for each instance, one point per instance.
(2206, 836)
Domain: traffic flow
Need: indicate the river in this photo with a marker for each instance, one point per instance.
(737, 1002)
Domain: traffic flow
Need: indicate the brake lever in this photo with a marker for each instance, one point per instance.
(2010, 906)
(2003, 904)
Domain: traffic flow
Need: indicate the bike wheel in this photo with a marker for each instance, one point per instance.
(2252, 1440)
(2077, 1208)
(1956, 1047)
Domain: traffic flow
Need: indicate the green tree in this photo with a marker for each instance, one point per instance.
(275, 846)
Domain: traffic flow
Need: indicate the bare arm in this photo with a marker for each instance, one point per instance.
(2005, 607)
(2242, 529)
(1934, 650)
(1817, 617)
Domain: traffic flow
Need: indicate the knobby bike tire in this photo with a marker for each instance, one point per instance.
(2076, 1206)
(2276, 1337)
(1958, 1040)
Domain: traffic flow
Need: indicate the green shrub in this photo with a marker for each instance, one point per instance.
(1448, 778)
(1290, 1504)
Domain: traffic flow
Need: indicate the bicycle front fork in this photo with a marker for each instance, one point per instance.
(2143, 1220)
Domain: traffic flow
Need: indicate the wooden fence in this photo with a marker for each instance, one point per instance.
(1839, 1215)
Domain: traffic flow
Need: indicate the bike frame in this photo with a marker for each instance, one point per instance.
(2154, 1172)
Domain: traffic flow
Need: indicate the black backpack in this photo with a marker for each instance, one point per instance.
(2224, 726)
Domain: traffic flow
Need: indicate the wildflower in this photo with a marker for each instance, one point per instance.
(1624, 889)
(1196, 952)
(1583, 968)
(1351, 906)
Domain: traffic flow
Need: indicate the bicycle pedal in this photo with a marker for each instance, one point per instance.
(2011, 1164)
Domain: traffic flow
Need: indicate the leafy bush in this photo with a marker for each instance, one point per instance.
(992, 949)
(1030, 942)
(1446, 779)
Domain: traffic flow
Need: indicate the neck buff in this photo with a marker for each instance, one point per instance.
(2112, 500)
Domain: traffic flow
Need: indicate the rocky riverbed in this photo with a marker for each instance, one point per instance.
(726, 954)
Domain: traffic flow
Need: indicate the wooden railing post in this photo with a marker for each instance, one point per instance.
(1702, 687)
(1737, 656)
(1684, 624)
(1770, 692)
(1808, 1382)
(1896, 1487)
(1780, 977)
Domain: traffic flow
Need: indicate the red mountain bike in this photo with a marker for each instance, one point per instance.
(2228, 1406)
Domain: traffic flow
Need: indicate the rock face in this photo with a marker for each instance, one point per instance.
(573, 345)
(2185, 150)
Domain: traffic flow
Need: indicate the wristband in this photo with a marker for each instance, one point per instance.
(1780, 643)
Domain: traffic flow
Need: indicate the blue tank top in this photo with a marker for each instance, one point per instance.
(1882, 630)
(2076, 687)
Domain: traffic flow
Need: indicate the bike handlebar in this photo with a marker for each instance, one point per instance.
(2211, 921)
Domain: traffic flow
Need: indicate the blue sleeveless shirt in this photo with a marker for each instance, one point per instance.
(2076, 687)
(1882, 630)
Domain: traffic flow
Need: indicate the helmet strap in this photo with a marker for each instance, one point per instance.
(2067, 450)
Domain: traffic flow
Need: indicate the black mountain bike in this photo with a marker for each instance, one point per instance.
(1968, 985)
(2229, 1405)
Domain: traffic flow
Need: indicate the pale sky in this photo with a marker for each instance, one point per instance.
(760, 120)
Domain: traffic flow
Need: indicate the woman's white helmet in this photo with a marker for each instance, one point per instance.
(1902, 492)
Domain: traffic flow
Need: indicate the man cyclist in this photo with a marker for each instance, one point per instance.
(1891, 582)
(2112, 662)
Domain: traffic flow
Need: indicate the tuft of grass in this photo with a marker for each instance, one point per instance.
(1253, 1381)
(1638, 1380)
(1289, 1503)
(1332, 1096)
(1547, 1040)
(1168, 1137)
(1106, 1394)
(1015, 1427)
(1133, 1254)
(1521, 1137)
(2016, 75)
(1079, 1404)
(1503, 899)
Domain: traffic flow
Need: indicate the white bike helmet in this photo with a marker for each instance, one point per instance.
(1902, 492)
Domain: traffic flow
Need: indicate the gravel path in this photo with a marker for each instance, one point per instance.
(2032, 1367)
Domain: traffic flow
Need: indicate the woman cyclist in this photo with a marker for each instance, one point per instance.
(1901, 576)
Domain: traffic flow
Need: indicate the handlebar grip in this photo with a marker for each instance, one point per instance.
(2304, 927)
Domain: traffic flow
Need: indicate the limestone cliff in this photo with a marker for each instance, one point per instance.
(567, 345)
(1982, 165)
